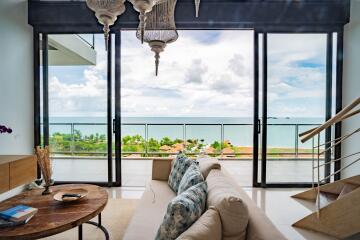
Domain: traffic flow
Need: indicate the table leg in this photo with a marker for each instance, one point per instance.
(97, 224)
(80, 232)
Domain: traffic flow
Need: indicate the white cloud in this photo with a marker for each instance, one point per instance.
(82, 98)
(201, 74)
(195, 72)
(197, 68)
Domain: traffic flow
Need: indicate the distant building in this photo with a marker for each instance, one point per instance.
(228, 152)
(165, 148)
(210, 150)
(178, 147)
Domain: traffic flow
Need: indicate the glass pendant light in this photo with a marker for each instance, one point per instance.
(106, 11)
(160, 28)
(143, 7)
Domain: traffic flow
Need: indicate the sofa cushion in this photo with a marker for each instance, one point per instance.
(208, 226)
(233, 211)
(150, 211)
(178, 169)
(206, 164)
(259, 227)
(191, 177)
(182, 212)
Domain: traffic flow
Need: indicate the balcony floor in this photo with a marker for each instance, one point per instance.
(138, 172)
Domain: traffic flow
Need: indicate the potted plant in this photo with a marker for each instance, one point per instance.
(4, 129)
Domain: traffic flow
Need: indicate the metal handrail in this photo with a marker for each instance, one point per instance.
(317, 168)
(184, 126)
(92, 45)
(336, 160)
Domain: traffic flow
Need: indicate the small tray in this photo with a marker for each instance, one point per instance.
(81, 191)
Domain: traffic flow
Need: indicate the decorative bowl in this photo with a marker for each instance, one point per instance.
(80, 191)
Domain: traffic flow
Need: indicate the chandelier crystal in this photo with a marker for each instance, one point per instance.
(160, 28)
(106, 11)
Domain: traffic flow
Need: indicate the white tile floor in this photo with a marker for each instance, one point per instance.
(276, 203)
(283, 211)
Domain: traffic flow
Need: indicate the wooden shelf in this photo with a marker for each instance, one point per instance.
(16, 170)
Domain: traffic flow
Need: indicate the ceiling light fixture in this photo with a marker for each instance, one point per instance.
(160, 29)
(143, 7)
(106, 11)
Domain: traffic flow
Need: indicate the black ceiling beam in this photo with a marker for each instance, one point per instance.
(280, 15)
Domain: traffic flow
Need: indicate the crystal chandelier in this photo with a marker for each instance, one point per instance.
(106, 11)
(160, 28)
(143, 7)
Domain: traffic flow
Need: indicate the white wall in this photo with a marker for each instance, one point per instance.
(16, 78)
(351, 84)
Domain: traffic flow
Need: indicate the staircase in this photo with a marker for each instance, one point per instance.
(339, 203)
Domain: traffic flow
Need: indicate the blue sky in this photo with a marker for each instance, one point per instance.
(203, 73)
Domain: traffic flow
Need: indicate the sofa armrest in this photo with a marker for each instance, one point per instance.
(161, 168)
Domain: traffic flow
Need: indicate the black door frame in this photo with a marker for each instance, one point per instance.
(261, 127)
(117, 125)
(43, 140)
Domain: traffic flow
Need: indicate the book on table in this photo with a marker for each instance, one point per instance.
(17, 215)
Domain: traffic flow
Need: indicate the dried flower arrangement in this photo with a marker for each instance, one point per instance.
(4, 129)
(43, 159)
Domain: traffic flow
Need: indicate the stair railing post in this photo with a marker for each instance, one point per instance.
(296, 141)
(313, 160)
(318, 176)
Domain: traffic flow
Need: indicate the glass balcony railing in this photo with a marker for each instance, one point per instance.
(230, 141)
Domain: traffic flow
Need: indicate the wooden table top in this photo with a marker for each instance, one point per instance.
(54, 217)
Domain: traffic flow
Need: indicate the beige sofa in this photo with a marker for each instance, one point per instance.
(152, 207)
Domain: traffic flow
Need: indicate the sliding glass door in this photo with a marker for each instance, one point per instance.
(75, 80)
(295, 95)
(201, 102)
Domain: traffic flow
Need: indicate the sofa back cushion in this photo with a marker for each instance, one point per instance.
(182, 212)
(191, 177)
(208, 226)
(227, 200)
(178, 169)
(206, 164)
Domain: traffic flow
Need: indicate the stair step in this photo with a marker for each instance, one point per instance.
(348, 187)
(326, 198)
(332, 188)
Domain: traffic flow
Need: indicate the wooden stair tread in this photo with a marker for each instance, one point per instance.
(348, 187)
(327, 198)
(334, 188)
(339, 214)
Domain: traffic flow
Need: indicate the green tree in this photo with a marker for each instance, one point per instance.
(216, 145)
(153, 145)
(166, 141)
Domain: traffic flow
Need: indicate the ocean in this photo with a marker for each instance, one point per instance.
(239, 131)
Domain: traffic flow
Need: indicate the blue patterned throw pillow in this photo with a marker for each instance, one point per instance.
(181, 164)
(191, 177)
(182, 212)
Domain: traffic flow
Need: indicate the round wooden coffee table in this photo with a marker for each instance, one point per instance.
(54, 217)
